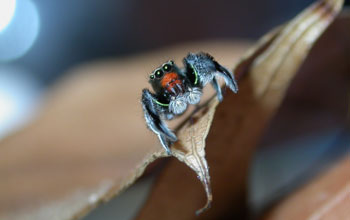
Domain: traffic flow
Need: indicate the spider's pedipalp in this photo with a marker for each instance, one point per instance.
(178, 105)
(193, 96)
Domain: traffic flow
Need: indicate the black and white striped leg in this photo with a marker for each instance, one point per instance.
(152, 114)
(228, 77)
(217, 88)
(166, 143)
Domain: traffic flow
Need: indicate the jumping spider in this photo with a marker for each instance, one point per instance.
(175, 88)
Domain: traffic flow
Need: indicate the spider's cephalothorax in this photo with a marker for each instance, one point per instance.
(175, 88)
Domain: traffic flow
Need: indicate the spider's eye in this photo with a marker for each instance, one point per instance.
(166, 67)
(159, 73)
(151, 76)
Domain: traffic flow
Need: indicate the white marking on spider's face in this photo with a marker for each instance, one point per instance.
(193, 96)
(178, 105)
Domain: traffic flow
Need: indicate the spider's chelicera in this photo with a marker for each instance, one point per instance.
(176, 88)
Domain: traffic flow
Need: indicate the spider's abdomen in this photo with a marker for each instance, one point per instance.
(173, 84)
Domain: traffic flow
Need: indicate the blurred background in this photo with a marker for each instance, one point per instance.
(41, 40)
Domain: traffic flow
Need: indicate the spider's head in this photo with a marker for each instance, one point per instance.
(166, 79)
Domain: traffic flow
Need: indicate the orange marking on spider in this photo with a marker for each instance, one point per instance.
(170, 79)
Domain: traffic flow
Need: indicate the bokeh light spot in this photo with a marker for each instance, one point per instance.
(7, 10)
(6, 107)
(20, 35)
(19, 97)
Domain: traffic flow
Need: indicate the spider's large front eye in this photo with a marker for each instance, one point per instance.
(166, 67)
(159, 73)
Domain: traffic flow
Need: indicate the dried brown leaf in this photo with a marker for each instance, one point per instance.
(191, 147)
(266, 73)
(81, 149)
(84, 153)
(327, 67)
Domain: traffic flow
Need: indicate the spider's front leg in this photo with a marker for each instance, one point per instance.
(153, 112)
(227, 75)
(202, 69)
(217, 88)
